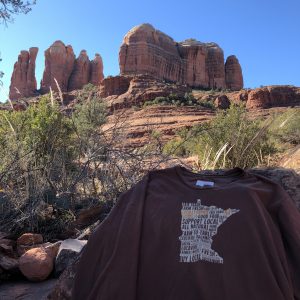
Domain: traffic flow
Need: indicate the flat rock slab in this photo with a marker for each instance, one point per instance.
(25, 290)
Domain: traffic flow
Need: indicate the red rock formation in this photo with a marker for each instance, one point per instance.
(233, 74)
(116, 85)
(96, 75)
(194, 56)
(146, 50)
(23, 82)
(59, 64)
(70, 73)
(222, 102)
(81, 72)
(270, 96)
(126, 91)
(215, 66)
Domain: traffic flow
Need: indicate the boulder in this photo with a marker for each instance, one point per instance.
(36, 264)
(233, 74)
(23, 81)
(28, 239)
(222, 102)
(59, 64)
(67, 253)
(63, 288)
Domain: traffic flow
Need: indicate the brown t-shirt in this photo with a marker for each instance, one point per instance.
(179, 235)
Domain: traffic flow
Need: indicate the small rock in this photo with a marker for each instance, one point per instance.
(7, 247)
(28, 239)
(64, 286)
(67, 253)
(21, 249)
(8, 263)
(36, 264)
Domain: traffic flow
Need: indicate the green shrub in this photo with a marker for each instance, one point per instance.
(173, 99)
(286, 127)
(41, 149)
(228, 140)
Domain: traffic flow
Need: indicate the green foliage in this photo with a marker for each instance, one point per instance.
(286, 126)
(9, 8)
(228, 140)
(88, 116)
(174, 99)
(41, 149)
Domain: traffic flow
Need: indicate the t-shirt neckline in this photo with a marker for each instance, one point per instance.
(236, 173)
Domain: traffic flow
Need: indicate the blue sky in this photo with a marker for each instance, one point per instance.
(263, 34)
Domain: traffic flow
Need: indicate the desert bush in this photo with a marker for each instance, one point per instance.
(174, 99)
(286, 127)
(51, 162)
(228, 140)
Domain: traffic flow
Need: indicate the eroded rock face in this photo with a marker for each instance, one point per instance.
(70, 73)
(116, 85)
(81, 72)
(126, 91)
(222, 102)
(23, 81)
(146, 50)
(233, 74)
(59, 64)
(96, 74)
(271, 96)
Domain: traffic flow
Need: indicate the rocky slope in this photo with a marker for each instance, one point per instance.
(146, 50)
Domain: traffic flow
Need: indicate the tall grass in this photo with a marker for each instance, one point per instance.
(232, 139)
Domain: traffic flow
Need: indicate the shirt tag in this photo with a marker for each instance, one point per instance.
(203, 183)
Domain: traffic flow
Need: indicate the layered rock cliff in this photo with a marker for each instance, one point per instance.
(23, 82)
(146, 50)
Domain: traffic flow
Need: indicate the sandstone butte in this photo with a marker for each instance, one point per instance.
(146, 50)
(61, 65)
(152, 65)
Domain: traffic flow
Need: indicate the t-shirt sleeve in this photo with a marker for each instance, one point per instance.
(289, 221)
(111, 254)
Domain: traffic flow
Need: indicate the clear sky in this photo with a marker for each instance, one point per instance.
(263, 34)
